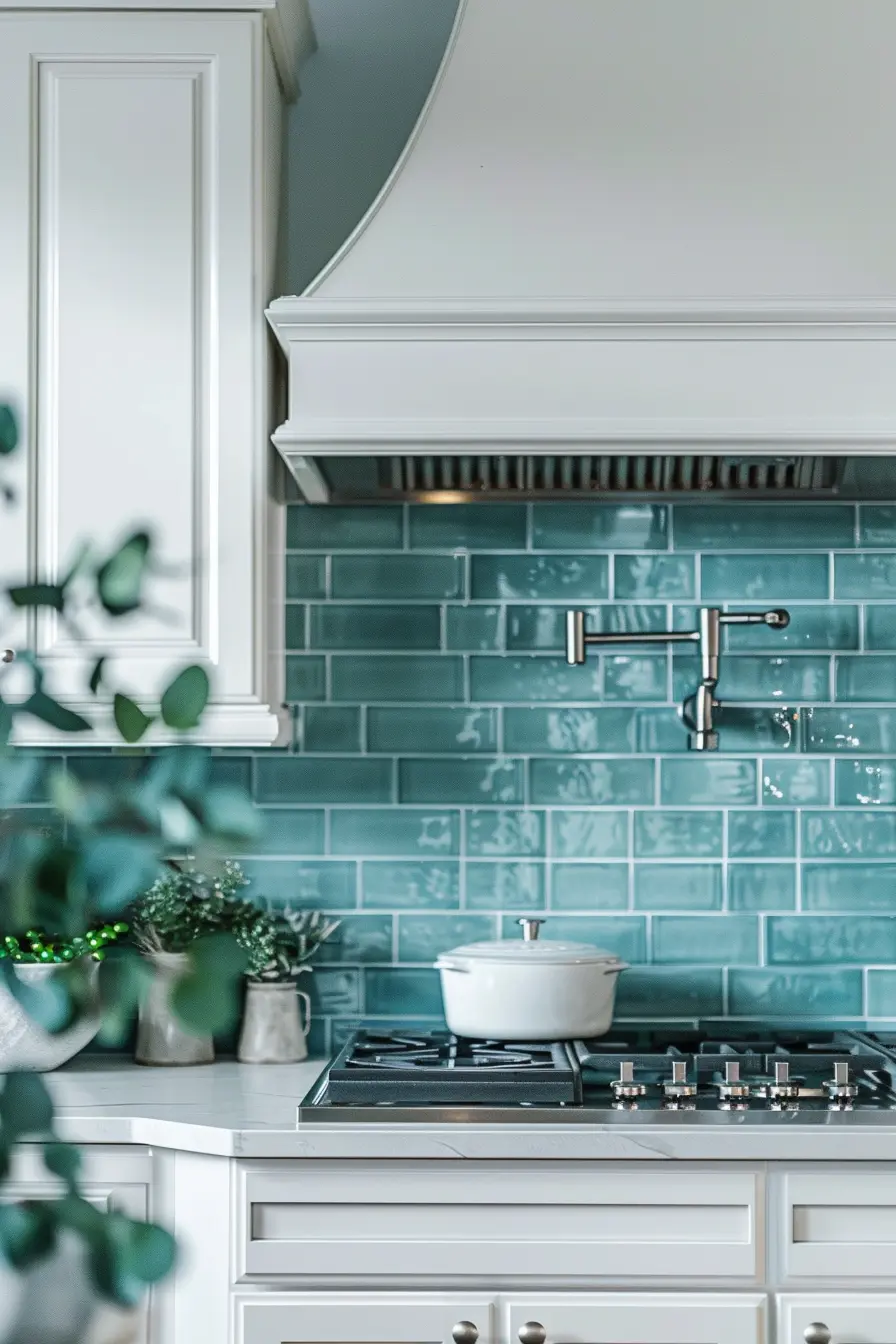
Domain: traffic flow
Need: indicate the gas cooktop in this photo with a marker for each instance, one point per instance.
(652, 1075)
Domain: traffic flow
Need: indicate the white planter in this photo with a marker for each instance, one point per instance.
(272, 1030)
(26, 1045)
(161, 1039)
(528, 990)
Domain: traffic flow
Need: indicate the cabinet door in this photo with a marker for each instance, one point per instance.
(132, 247)
(381, 1318)
(847, 1317)
(635, 1318)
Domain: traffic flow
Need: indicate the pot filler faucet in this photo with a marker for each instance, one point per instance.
(697, 710)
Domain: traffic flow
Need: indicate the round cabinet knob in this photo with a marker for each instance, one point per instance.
(817, 1333)
(533, 1332)
(465, 1332)
(7, 655)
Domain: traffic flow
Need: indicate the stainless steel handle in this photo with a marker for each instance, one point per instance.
(465, 1332)
(778, 619)
(817, 1333)
(7, 655)
(530, 928)
(533, 1332)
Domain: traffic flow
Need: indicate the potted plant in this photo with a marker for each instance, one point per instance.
(36, 958)
(272, 1030)
(177, 914)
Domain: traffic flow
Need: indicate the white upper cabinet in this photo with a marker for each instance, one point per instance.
(140, 161)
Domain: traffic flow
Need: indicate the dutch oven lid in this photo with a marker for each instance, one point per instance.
(531, 949)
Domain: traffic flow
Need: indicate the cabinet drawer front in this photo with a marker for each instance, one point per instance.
(509, 1219)
(840, 1224)
(638, 1318)
(869, 1317)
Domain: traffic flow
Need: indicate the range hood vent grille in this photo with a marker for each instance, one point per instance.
(522, 475)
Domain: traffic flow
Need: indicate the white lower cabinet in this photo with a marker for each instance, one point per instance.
(464, 1318)
(837, 1318)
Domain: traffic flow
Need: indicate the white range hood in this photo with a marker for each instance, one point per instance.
(625, 231)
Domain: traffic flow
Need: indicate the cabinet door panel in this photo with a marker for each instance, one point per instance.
(840, 1224)
(852, 1318)
(639, 1318)
(317, 1318)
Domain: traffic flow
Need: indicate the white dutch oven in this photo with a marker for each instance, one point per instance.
(529, 990)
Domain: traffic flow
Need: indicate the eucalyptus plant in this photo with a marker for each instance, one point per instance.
(103, 848)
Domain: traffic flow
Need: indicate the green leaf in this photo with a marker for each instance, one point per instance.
(37, 595)
(66, 793)
(123, 977)
(25, 1106)
(153, 1252)
(63, 1160)
(19, 779)
(27, 1232)
(9, 431)
(230, 814)
(185, 699)
(120, 578)
(207, 999)
(44, 707)
(96, 676)
(47, 1002)
(117, 868)
(130, 720)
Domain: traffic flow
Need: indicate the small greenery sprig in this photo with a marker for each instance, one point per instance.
(298, 934)
(42, 949)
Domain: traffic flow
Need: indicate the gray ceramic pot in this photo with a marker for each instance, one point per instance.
(161, 1039)
(272, 1031)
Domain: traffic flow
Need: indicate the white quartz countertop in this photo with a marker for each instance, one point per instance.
(238, 1110)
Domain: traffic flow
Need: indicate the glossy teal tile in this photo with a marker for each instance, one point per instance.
(403, 991)
(707, 779)
(623, 935)
(430, 885)
(460, 781)
(294, 626)
(758, 579)
(477, 629)
(810, 993)
(335, 991)
(332, 728)
(298, 779)
(762, 886)
(363, 831)
(678, 835)
(830, 627)
(747, 678)
(881, 994)
(306, 678)
(588, 834)
(424, 937)
(505, 886)
(469, 527)
(836, 730)
(391, 677)
(678, 886)
(635, 677)
(652, 993)
(431, 730)
(866, 575)
(543, 629)
(845, 835)
(761, 835)
(668, 577)
(758, 730)
(829, 938)
(865, 783)
(589, 886)
(763, 527)
(880, 626)
(306, 576)
(847, 887)
(342, 626)
(717, 940)
(359, 939)
(660, 730)
(563, 578)
(569, 730)
(877, 525)
(505, 833)
(506, 680)
(600, 527)
(614, 781)
(796, 783)
(342, 529)
(232, 770)
(290, 831)
(865, 676)
(309, 885)
(391, 576)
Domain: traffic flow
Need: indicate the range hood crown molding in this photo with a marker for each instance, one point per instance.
(729, 317)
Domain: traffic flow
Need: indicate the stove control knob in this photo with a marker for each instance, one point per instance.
(533, 1332)
(625, 1088)
(817, 1333)
(841, 1087)
(677, 1088)
(465, 1332)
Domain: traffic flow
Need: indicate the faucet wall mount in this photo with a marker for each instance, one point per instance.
(697, 709)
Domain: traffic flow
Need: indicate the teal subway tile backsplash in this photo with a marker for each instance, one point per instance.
(448, 771)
